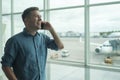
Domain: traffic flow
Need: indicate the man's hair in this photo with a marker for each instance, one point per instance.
(27, 11)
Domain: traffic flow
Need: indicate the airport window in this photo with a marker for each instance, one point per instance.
(104, 28)
(89, 29)
(70, 26)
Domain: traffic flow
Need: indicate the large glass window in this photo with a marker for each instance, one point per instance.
(68, 19)
(69, 24)
(105, 33)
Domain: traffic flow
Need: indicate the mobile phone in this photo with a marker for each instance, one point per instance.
(42, 25)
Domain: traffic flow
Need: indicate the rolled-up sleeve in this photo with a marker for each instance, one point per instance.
(10, 52)
(51, 43)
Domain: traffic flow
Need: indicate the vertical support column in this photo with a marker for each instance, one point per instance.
(45, 9)
(1, 40)
(87, 69)
(12, 23)
(46, 18)
(1, 27)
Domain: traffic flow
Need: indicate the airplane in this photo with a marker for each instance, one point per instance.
(109, 47)
(114, 35)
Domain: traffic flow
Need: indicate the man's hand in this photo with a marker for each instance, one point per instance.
(9, 73)
(47, 26)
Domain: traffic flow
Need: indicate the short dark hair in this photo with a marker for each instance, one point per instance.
(27, 11)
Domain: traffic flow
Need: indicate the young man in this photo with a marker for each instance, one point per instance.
(26, 52)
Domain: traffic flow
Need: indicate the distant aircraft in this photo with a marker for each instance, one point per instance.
(109, 47)
(114, 35)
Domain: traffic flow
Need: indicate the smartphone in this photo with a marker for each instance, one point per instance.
(42, 25)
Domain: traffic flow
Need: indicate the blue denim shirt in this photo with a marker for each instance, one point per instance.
(27, 55)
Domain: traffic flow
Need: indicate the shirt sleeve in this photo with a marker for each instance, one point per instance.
(10, 52)
(51, 43)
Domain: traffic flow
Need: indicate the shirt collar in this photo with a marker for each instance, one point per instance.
(28, 34)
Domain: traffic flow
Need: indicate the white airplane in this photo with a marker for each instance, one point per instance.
(109, 47)
(114, 35)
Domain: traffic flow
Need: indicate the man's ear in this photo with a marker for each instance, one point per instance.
(25, 20)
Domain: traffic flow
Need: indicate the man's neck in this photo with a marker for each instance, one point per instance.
(30, 31)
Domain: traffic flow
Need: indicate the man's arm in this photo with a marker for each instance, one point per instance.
(56, 38)
(54, 34)
(9, 73)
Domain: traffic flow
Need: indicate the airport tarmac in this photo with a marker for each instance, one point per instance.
(76, 51)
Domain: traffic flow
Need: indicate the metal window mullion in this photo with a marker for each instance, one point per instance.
(12, 23)
(86, 49)
(46, 18)
(45, 8)
(104, 4)
(1, 43)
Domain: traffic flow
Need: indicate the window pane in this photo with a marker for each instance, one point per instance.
(104, 75)
(69, 24)
(105, 33)
(18, 23)
(65, 3)
(6, 6)
(19, 6)
(101, 1)
(6, 21)
(62, 72)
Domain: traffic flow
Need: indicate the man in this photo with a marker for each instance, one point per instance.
(26, 52)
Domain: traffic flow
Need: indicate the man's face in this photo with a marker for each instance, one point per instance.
(34, 20)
